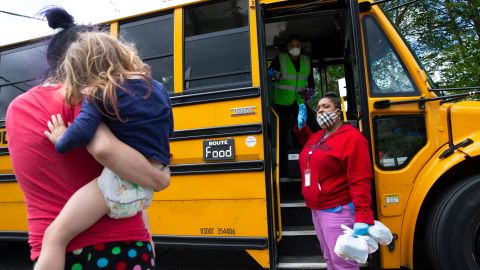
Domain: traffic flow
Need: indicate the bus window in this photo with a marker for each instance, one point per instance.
(398, 138)
(388, 76)
(217, 46)
(20, 69)
(153, 38)
(326, 80)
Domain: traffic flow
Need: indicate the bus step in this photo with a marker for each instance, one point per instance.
(299, 245)
(296, 216)
(298, 231)
(289, 180)
(291, 191)
(295, 203)
(302, 262)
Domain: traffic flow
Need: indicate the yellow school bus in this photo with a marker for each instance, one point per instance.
(226, 193)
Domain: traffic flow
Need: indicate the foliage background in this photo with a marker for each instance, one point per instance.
(444, 34)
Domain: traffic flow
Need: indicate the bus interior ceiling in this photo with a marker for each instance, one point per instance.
(323, 32)
(322, 36)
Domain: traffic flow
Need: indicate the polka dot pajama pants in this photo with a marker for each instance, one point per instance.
(129, 255)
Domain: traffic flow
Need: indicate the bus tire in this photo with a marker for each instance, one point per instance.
(452, 236)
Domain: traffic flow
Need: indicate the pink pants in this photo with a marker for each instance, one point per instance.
(327, 227)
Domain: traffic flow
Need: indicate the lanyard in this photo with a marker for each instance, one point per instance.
(314, 147)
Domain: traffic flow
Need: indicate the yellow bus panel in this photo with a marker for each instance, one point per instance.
(219, 114)
(215, 186)
(14, 215)
(209, 217)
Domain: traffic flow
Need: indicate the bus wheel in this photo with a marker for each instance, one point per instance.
(453, 227)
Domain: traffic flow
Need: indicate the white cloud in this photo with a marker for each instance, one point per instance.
(15, 29)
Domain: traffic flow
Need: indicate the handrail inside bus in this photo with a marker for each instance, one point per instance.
(277, 175)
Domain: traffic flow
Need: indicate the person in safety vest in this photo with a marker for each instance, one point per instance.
(293, 85)
(293, 74)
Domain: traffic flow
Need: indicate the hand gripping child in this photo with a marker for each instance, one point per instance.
(115, 87)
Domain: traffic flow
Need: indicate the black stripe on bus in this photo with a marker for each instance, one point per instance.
(241, 243)
(188, 134)
(8, 178)
(218, 167)
(256, 243)
(4, 151)
(202, 168)
(13, 236)
(213, 96)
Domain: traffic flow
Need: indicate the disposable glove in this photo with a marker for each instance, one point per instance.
(273, 74)
(302, 117)
(360, 228)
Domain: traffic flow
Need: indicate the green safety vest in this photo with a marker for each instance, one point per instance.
(291, 82)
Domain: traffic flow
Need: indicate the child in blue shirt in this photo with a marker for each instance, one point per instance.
(145, 124)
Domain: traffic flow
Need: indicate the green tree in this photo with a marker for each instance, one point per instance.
(326, 80)
(445, 34)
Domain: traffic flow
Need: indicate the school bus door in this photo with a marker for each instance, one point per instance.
(357, 100)
(401, 134)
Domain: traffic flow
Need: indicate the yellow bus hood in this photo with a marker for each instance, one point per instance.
(465, 119)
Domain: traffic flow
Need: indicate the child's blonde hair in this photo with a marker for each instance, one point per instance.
(95, 65)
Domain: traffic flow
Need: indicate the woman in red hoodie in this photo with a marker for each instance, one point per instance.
(336, 177)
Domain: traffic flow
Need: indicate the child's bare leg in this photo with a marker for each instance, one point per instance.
(146, 221)
(81, 211)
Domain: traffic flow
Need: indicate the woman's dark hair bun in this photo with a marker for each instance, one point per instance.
(58, 17)
(331, 95)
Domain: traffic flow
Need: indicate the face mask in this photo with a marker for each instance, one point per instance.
(294, 51)
(326, 120)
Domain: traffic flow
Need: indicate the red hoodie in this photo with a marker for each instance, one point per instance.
(341, 166)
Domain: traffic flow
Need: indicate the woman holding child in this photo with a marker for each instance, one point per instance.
(79, 216)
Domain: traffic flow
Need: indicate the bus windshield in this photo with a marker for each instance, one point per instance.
(442, 36)
(397, 23)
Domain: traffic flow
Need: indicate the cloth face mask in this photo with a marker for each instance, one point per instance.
(326, 120)
(294, 51)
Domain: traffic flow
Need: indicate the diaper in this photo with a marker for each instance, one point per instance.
(124, 199)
